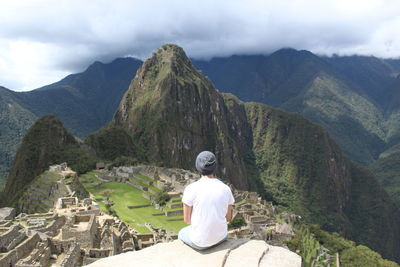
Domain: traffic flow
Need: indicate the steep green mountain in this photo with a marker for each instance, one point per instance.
(320, 89)
(394, 63)
(387, 168)
(84, 102)
(47, 142)
(355, 98)
(353, 121)
(370, 76)
(171, 112)
(14, 121)
(393, 113)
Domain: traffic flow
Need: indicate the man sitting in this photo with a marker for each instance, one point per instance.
(207, 207)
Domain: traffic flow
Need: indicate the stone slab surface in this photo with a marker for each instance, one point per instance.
(241, 252)
(280, 257)
(248, 254)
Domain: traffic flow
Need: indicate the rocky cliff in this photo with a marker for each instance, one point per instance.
(237, 253)
(173, 112)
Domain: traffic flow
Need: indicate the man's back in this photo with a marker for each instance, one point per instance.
(209, 198)
(207, 206)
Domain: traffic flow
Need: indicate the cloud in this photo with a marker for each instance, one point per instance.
(42, 41)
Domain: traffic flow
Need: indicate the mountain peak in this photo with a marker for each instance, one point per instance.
(170, 108)
(171, 49)
(162, 72)
(168, 58)
(171, 53)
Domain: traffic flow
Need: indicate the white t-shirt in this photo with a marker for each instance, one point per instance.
(209, 198)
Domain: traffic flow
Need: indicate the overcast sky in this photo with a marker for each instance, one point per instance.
(41, 41)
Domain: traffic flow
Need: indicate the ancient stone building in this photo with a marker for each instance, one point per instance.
(77, 232)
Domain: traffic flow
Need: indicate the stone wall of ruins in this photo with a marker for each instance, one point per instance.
(54, 226)
(60, 246)
(84, 236)
(177, 178)
(40, 256)
(72, 256)
(21, 251)
(9, 239)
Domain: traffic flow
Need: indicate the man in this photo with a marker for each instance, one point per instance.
(207, 207)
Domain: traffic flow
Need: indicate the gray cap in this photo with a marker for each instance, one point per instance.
(206, 162)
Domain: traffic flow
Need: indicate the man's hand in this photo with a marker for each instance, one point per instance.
(228, 215)
(187, 213)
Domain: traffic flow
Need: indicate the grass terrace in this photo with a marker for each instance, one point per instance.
(124, 195)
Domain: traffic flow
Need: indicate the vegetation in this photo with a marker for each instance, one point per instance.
(124, 195)
(173, 112)
(310, 238)
(237, 223)
(161, 198)
(112, 143)
(84, 102)
(40, 144)
(14, 122)
(293, 162)
(123, 161)
(46, 143)
(363, 256)
(387, 169)
(347, 95)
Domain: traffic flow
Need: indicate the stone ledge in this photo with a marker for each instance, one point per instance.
(241, 252)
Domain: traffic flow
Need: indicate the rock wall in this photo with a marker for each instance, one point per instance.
(7, 239)
(72, 257)
(40, 256)
(84, 234)
(231, 253)
(54, 226)
(21, 251)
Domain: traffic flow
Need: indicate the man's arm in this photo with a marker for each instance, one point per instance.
(187, 213)
(228, 215)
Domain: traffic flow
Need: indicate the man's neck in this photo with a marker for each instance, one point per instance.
(208, 176)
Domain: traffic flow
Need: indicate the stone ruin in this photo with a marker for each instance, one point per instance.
(73, 233)
(76, 232)
(169, 178)
(63, 169)
(258, 214)
(260, 218)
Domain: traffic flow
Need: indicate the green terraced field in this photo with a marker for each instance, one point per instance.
(124, 195)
